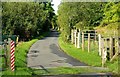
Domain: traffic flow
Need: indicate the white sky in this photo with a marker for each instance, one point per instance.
(56, 3)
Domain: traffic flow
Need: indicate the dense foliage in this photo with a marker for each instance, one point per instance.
(86, 15)
(111, 13)
(79, 15)
(110, 24)
(26, 19)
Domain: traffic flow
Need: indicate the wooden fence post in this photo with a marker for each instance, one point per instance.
(118, 51)
(5, 52)
(8, 53)
(103, 52)
(88, 42)
(78, 40)
(111, 47)
(95, 36)
(82, 41)
(75, 38)
(99, 36)
(17, 39)
(72, 36)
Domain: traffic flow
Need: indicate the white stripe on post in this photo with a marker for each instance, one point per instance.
(12, 57)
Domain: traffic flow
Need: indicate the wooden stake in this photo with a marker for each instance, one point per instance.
(111, 47)
(75, 38)
(88, 42)
(104, 54)
(78, 40)
(8, 53)
(5, 52)
(95, 36)
(17, 39)
(72, 36)
(118, 51)
(95, 42)
(82, 41)
(99, 35)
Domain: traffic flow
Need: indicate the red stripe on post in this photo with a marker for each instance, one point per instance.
(12, 48)
(12, 52)
(12, 55)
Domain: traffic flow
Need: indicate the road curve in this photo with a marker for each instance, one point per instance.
(45, 53)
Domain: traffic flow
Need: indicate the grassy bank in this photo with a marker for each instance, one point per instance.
(90, 58)
(21, 51)
(20, 59)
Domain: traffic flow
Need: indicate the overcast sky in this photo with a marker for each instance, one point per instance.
(56, 3)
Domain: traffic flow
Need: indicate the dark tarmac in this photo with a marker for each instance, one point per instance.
(46, 53)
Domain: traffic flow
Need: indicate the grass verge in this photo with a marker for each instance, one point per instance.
(23, 70)
(91, 58)
(21, 51)
(20, 59)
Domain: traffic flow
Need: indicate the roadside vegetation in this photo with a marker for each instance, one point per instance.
(92, 58)
(21, 64)
(21, 51)
(31, 20)
(27, 19)
(20, 59)
(101, 16)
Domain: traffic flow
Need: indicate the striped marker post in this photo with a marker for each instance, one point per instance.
(12, 57)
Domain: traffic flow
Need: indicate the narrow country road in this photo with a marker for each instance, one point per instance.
(46, 53)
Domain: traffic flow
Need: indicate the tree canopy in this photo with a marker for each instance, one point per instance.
(26, 19)
(81, 15)
(111, 13)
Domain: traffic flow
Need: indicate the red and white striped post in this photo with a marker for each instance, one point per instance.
(12, 56)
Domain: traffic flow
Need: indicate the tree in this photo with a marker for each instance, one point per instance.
(111, 20)
(26, 19)
(78, 14)
(111, 13)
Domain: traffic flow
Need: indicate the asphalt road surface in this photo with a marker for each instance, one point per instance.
(46, 53)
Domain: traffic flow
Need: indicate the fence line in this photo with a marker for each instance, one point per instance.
(108, 47)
